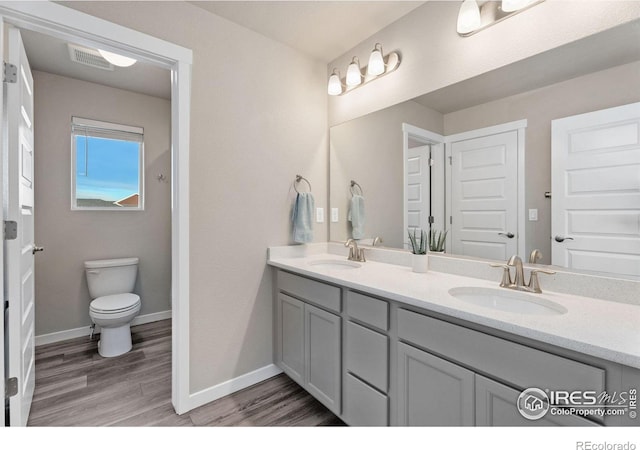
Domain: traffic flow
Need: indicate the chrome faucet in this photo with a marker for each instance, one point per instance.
(535, 256)
(355, 253)
(376, 241)
(518, 282)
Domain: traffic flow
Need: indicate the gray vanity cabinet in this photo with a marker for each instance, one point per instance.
(496, 407)
(309, 337)
(322, 356)
(432, 391)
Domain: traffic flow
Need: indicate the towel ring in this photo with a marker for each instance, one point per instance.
(352, 188)
(300, 178)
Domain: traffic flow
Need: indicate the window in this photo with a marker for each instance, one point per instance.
(107, 166)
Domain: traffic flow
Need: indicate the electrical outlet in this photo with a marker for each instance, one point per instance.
(334, 215)
(533, 215)
(319, 215)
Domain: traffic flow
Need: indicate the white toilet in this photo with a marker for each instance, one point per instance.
(114, 306)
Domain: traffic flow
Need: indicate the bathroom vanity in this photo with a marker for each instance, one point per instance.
(380, 345)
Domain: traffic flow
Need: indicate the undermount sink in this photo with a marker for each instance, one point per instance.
(335, 264)
(507, 300)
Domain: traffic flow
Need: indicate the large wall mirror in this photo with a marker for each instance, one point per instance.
(541, 154)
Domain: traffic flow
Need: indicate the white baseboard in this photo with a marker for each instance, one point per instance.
(229, 387)
(85, 331)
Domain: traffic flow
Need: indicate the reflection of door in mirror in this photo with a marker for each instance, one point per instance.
(423, 171)
(596, 191)
(483, 193)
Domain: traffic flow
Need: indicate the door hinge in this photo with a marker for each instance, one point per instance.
(431, 219)
(450, 160)
(450, 220)
(10, 230)
(432, 162)
(9, 73)
(10, 387)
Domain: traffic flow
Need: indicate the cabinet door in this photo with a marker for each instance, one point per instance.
(432, 391)
(292, 339)
(496, 407)
(322, 345)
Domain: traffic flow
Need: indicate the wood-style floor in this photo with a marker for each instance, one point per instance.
(75, 386)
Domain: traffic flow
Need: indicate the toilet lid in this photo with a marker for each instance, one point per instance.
(115, 303)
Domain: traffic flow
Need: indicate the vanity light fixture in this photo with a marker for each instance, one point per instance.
(474, 15)
(354, 75)
(378, 66)
(117, 60)
(376, 62)
(335, 85)
(469, 17)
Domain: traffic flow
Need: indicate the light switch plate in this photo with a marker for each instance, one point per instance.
(319, 215)
(533, 215)
(334, 215)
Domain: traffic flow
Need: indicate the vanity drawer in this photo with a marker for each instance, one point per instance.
(363, 405)
(368, 310)
(316, 292)
(514, 363)
(367, 355)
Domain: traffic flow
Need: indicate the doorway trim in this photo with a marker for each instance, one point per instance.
(66, 23)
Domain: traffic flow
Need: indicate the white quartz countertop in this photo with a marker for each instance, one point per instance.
(604, 329)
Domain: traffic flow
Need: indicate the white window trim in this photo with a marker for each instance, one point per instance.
(126, 131)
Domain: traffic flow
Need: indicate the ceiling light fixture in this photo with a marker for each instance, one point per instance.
(117, 60)
(378, 66)
(474, 15)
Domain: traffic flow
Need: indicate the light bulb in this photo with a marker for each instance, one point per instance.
(515, 5)
(335, 86)
(354, 75)
(469, 17)
(117, 60)
(376, 62)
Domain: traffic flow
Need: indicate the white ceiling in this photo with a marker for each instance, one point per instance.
(322, 29)
(49, 54)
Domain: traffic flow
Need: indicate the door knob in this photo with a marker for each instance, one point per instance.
(509, 235)
(36, 249)
(562, 238)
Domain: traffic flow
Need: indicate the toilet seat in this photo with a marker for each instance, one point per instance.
(115, 304)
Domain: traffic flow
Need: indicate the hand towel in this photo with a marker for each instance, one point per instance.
(303, 218)
(356, 216)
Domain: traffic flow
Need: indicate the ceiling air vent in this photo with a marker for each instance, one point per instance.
(88, 57)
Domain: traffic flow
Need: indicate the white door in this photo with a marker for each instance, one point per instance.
(596, 191)
(484, 196)
(19, 253)
(417, 190)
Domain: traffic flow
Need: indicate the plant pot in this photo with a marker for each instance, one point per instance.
(420, 263)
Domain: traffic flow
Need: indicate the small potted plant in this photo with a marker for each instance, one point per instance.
(419, 243)
(437, 240)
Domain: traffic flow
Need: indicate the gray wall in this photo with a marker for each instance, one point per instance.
(71, 237)
(258, 117)
(369, 151)
(605, 89)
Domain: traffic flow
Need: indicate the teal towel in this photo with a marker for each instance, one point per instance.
(356, 216)
(303, 218)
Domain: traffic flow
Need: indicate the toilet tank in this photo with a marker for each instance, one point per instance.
(111, 276)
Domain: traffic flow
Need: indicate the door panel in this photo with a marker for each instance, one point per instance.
(417, 189)
(596, 191)
(484, 190)
(19, 207)
(432, 391)
(322, 344)
(292, 323)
